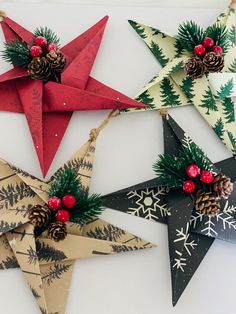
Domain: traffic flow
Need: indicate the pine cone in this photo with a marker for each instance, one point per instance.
(207, 203)
(39, 69)
(39, 215)
(57, 231)
(57, 60)
(194, 68)
(222, 185)
(213, 62)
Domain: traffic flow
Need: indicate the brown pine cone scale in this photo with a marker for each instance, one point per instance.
(39, 69)
(57, 231)
(213, 62)
(222, 185)
(206, 203)
(194, 68)
(39, 215)
(56, 60)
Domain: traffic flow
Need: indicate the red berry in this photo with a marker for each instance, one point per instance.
(40, 41)
(193, 171)
(217, 49)
(62, 215)
(69, 201)
(51, 47)
(189, 186)
(206, 176)
(208, 42)
(36, 51)
(200, 50)
(54, 203)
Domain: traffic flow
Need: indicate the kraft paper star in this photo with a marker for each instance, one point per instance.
(47, 265)
(211, 94)
(190, 233)
(48, 107)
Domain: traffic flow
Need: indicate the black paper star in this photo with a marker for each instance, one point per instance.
(190, 233)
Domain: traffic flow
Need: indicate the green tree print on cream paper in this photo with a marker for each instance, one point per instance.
(226, 90)
(232, 67)
(208, 101)
(138, 28)
(219, 128)
(168, 94)
(228, 109)
(187, 87)
(232, 35)
(146, 98)
(158, 53)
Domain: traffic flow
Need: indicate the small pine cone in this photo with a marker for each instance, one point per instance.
(57, 60)
(222, 185)
(39, 69)
(39, 215)
(57, 231)
(194, 68)
(206, 203)
(213, 62)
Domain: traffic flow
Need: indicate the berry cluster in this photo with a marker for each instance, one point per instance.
(207, 45)
(41, 47)
(62, 206)
(193, 172)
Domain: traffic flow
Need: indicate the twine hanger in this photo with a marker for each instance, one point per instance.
(2, 14)
(95, 132)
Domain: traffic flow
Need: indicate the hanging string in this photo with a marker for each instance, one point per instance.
(2, 14)
(163, 112)
(95, 132)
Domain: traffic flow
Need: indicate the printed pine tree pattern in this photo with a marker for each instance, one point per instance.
(172, 87)
(190, 234)
(47, 265)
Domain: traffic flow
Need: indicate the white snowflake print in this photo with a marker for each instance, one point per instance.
(148, 203)
(183, 235)
(220, 222)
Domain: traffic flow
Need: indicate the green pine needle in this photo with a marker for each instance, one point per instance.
(171, 169)
(87, 207)
(17, 53)
(189, 35)
(220, 36)
(48, 34)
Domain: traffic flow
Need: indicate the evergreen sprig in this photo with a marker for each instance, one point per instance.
(17, 53)
(220, 36)
(189, 35)
(48, 34)
(171, 169)
(87, 207)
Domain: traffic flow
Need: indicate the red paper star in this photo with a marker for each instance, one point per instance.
(49, 107)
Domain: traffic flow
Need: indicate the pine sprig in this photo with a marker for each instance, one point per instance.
(189, 35)
(87, 207)
(17, 53)
(220, 36)
(65, 183)
(48, 34)
(193, 154)
(171, 169)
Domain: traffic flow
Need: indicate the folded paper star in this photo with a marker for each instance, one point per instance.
(211, 94)
(46, 264)
(48, 107)
(190, 233)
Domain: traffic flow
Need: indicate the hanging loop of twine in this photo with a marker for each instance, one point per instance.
(95, 132)
(163, 112)
(2, 14)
